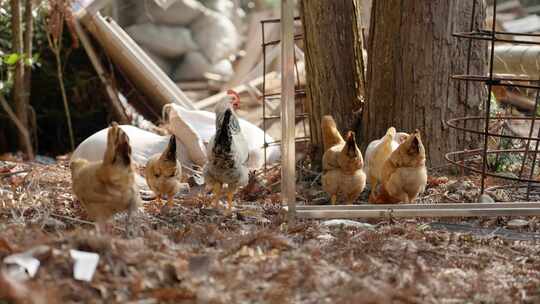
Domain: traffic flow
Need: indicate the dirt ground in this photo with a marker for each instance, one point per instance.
(196, 254)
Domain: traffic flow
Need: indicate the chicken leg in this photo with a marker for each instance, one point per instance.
(373, 183)
(216, 190)
(333, 199)
(170, 200)
(230, 194)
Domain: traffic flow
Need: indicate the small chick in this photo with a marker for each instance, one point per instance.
(107, 187)
(163, 173)
(342, 164)
(404, 174)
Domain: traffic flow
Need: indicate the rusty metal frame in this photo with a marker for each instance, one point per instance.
(422, 210)
(463, 159)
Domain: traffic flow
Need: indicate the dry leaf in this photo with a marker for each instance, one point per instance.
(173, 294)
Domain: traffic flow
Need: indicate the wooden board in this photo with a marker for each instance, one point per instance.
(419, 210)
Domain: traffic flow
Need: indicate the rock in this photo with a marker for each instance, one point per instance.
(181, 12)
(517, 224)
(195, 65)
(484, 198)
(459, 185)
(215, 35)
(167, 41)
(347, 224)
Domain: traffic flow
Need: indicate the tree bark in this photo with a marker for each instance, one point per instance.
(27, 82)
(19, 90)
(412, 55)
(333, 65)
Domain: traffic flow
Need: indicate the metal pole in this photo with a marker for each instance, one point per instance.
(288, 169)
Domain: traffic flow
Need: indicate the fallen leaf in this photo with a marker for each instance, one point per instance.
(173, 294)
(436, 181)
(4, 246)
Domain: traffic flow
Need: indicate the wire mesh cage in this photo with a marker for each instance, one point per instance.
(496, 145)
(507, 156)
(271, 99)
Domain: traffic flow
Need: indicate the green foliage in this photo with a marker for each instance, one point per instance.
(85, 92)
(504, 162)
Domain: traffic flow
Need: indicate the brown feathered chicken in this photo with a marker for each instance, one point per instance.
(404, 173)
(163, 173)
(227, 153)
(343, 176)
(107, 187)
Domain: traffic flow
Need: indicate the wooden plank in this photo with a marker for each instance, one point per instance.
(421, 206)
(420, 212)
(288, 168)
(144, 73)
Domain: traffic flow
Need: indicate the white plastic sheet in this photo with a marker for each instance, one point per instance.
(192, 128)
(85, 264)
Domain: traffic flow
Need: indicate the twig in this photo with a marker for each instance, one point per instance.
(8, 174)
(315, 180)
(72, 219)
(254, 238)
(55, 44)
(17, 123)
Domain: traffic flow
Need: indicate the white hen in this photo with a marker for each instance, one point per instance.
(374, 146)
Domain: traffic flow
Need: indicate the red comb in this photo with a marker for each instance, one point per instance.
(233, 93)
(236, 98)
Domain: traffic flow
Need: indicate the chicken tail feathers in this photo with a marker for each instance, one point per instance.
(350, 146)
(170, 151)
(223, 135)
(330, 133)
(391, 132)
(118, 148)
(123, 149)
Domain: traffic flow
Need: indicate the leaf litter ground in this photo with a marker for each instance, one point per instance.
(196, 254)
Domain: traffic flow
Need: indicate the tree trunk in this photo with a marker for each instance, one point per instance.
(21, 108)
(412, 55)
(27, 83)
(333, 65)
